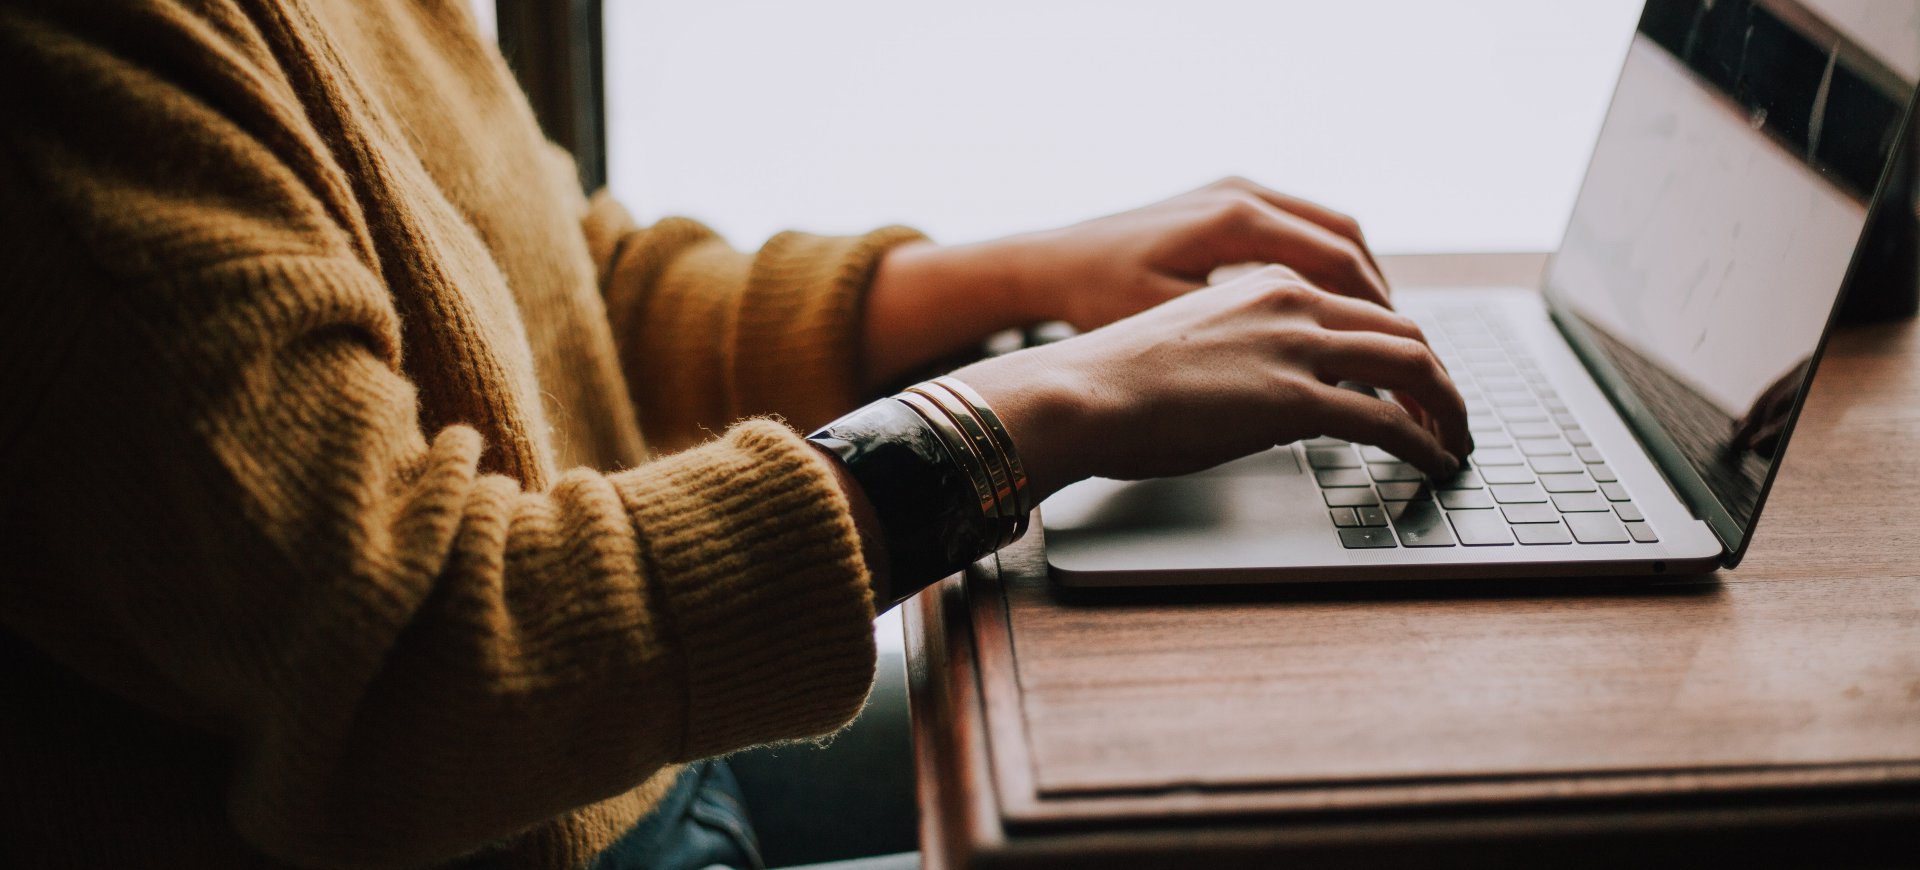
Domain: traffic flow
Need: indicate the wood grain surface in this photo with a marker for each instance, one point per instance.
(1103, 711)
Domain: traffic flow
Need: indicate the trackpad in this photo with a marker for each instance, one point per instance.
(1209, 499)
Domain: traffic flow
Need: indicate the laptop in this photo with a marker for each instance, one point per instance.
(1630, 414)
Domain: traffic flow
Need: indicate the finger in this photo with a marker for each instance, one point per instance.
(1326, 218)
(1256, 230)
(1334, 311)
(1353, 417)
(1236, 271)
(1405, 367)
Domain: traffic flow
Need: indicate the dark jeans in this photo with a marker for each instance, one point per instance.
(852, 796)
(701, 823)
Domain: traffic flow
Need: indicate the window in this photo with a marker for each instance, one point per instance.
(1442, 126)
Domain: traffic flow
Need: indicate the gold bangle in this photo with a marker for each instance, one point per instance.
(1016, 472)
(982, 443)
(981, 446)
(1013, 510)
(956, 444)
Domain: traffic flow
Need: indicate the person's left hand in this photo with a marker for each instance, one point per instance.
(929, 300)
(1093, 273)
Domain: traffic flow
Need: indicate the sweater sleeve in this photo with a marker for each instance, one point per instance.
(777, 330)
(229, 511)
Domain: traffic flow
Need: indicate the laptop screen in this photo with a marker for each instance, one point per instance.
(1719, 218)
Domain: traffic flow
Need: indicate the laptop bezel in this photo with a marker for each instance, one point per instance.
(1659, 446)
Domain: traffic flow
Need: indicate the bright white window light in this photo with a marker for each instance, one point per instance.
(1442, 126)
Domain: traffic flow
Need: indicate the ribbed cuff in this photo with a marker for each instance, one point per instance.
(752, 552)
(798, 342)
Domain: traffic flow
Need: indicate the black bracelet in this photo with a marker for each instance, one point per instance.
(924, 498)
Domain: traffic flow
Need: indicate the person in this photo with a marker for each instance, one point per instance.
(377, 498)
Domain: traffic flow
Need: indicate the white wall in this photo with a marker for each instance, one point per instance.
(1441, 125)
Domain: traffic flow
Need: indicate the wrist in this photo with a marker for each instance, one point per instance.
(929, 303)
(999, 276)
(1046, 410)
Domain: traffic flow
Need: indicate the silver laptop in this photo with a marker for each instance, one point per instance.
(1629, 416)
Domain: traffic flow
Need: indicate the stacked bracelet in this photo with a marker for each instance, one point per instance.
(942, 474)
(970, 429)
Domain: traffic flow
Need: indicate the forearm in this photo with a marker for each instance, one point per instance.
(929, 302)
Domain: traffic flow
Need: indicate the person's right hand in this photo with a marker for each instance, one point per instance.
(1221, 373)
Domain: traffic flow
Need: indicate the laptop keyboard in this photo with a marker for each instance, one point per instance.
(1534, 479)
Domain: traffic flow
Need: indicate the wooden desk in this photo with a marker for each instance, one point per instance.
(1770, 714)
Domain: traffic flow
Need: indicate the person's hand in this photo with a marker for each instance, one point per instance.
(929, 301)
(1220, 373)
(1093, 273)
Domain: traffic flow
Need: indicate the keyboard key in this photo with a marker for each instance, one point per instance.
(1613, 491)
(1477, 423)
(1366, 539)
(1556, 464)
(1375, 454)
(1530, 513)
(1421, 524)
(1589, 453)
(1511, 398)
(1601, 472)
(1582, 502)
(1465, 499)
(1332, 457)
(1344, 518)
(1535, 429)
(1491, 439)
(1643, 533)
(1629, 512)
(1324, 441)
(1507, 474)
(1578, 437)
(1496, 456)
(1481, 528)
(1348, 497)
(1543, 446)
(1575, 482)
(1405, 490)
(1565, 420)
(1528, 414)
(1337, 477)
(1468, 479)
(1371, 515)
(1518, 493)
(1597, 529)
(1538, 533)
(1392, 471)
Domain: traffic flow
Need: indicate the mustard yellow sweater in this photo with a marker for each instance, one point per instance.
(325, 402)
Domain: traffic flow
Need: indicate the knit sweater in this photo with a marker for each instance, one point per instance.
(332, 532)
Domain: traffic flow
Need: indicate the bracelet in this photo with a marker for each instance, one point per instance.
(1016, 472)
(958, 426)
(942, 474)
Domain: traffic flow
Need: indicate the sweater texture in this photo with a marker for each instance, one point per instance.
(334, 536)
